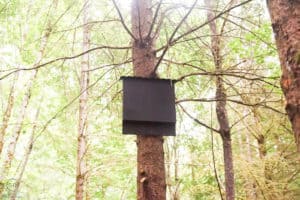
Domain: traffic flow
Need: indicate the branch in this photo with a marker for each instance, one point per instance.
(154, 19)
(207, 22)
(253, 33)
(241, 119)
(228, 74)
(261, 104)
(60, 111)
(109, 65)
(86, 24)
(172, 36)
(197, 121)
(61, 59)
(122, 20)
(139, 20)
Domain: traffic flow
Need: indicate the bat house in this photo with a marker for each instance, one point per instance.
(148, 106)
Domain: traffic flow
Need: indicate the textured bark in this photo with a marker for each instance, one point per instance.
(221, 110)
(228, 165)
(83, 111)
(7, 113)
(285, 16)
(150, 156)
(25, 102)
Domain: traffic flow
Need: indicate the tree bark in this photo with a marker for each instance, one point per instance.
(285, 15)
(150, 156)
(83, 110)
(228, 165)
(221, 110)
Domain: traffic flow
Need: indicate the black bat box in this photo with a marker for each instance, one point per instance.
(148, 106)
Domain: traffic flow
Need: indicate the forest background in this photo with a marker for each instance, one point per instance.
(44, 46)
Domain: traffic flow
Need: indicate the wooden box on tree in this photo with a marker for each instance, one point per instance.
(148, 106)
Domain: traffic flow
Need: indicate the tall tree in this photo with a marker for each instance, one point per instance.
(150, 157)
(83, 109)
(221, 96)
(8, 111)
(24, 163)
(9, 156)
(285, 15)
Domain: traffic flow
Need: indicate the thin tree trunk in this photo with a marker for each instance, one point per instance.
(7, 113)
(81, 171)
(151, 182)
(176, 194)
(250, 183)
(221, 106)
(285, 15)
(261, 146)
(17, 184)
(15, 136)
(172, 169)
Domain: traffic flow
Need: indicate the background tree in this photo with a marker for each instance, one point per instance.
(81, 171)
(221, 97)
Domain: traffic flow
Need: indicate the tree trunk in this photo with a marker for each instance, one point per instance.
(17, 184)
(228, 165)
(221, 105)
(261, 146)
(285, 15)
(251, 192)
(83, 110)
(150, 156)
(7, 112)
(15, 136)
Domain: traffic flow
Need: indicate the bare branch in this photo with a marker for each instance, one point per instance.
(260, 104)
(139, 20)
(197, 121)
(253, 33)
(154, 19)
(172, 36)
(207, 22)
(87, 24)
(229, 74)
(62, 59)
(57, 114)
(109, 65)
(122, 20)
